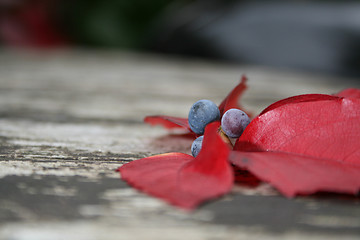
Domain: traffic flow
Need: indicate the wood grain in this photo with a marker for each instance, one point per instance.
(68, 119)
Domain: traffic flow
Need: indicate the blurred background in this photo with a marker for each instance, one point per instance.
(313, 36)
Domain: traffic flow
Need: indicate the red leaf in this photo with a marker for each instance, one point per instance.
(158, 176)
(304, 144)
(168, 121)
(295, 174)
(320, 129)
(349, 93)
(299, 99)
(231, 101)
(181, 179)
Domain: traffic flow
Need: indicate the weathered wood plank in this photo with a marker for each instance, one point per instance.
(69, 119)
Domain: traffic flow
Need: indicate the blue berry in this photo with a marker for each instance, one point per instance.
(201, 114)
(196, 146)
(233, 122)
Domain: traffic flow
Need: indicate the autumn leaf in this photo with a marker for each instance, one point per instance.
(304, 144)
(295, 174)
(323, 129)
(232, 99)
(299, 99)
(181, 179)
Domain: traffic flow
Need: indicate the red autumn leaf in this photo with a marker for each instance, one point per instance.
(349, 93)
(231, 101)
(301, 145)
(181, 179)
(321, 129)
(168, 121)
(295, 174)
(299, 99)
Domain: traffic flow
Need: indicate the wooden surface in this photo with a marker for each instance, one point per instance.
(69, 119)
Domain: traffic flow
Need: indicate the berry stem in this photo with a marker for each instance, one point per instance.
(225, 138)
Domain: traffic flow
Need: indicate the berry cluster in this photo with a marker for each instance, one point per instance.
(203, 112)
